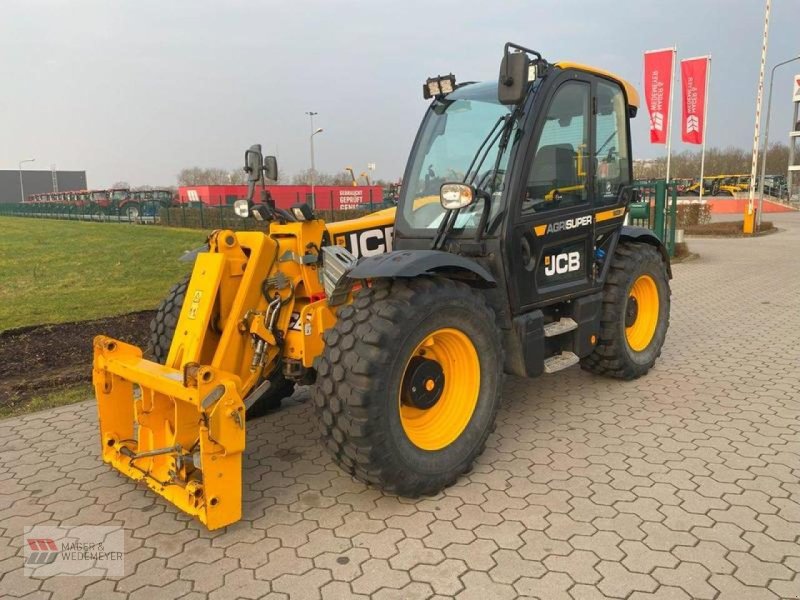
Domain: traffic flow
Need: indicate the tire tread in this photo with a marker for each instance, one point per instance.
(610, 356)
(356, 360)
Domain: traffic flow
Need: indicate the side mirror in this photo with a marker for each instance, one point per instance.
(271, 168)
(454, 196)
(513, 81)
(517, 70)
(253, 163)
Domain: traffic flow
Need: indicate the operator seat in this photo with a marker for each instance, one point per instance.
(554, 166)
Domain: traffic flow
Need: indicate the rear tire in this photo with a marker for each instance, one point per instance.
(162, 329)
(635, 313)
(370, 424)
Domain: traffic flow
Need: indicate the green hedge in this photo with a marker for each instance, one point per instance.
(693, 214)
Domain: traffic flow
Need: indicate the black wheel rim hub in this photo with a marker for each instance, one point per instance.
(631, 311)
(423, 383)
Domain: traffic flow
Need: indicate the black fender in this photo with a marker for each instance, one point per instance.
(413, 263)
(646, 236)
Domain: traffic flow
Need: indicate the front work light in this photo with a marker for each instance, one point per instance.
(441, 85)
(302, 212)
(456, 195)
(242, 208)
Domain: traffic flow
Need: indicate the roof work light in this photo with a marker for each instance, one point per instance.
(441, 85)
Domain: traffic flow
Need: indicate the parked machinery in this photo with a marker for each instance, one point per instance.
(491, 271)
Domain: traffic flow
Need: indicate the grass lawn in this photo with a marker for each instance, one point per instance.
(58, 271)
(48, 399)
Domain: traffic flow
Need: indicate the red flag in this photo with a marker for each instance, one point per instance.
(658, 66)
(693, 93)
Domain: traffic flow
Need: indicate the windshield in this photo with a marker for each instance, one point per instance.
(451, 135)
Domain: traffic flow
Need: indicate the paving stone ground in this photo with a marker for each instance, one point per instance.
(683, 484)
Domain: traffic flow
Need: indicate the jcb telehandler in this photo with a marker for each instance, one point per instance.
(506, 252)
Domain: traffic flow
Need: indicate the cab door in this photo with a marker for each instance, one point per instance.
(550, 249)
(613, 166)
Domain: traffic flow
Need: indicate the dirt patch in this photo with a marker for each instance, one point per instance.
(727, 229)
(41, 358)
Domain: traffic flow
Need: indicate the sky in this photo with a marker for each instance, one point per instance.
(137, 90)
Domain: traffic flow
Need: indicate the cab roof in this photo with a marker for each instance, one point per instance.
(630, 91)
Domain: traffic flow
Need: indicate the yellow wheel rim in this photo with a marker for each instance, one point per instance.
(641, 313)
(439, 425)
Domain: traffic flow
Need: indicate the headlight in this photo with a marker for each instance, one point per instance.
(242, 208)
(456, 195)
(302, 212)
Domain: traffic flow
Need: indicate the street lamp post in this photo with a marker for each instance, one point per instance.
(21, 186)
(313, 167)
(766, 138)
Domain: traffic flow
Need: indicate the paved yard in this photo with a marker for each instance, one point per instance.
(683, 484)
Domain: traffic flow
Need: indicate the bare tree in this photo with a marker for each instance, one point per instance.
(121, 185)
(190, 176)
(777, 159)
(719, 161)
(237, 177)
(203, 176)
(304, 178)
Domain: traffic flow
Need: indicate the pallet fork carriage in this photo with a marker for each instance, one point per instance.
(506, 253)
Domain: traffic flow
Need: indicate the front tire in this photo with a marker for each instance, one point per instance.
(409, 383)
(635, 313)
(162, 329)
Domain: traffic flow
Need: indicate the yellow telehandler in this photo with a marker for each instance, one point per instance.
(507, 252)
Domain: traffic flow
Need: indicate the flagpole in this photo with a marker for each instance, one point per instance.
(669, 117)
(705, 124)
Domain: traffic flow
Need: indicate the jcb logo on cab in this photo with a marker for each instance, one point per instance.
(565, 262)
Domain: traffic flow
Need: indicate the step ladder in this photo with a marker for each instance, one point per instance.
(565, 359)
(560, 362)
(563, 325)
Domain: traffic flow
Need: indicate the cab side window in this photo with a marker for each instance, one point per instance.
(559, 173)
(611, 143)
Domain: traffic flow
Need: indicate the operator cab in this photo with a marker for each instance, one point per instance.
(543, 162)
(470, 135)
